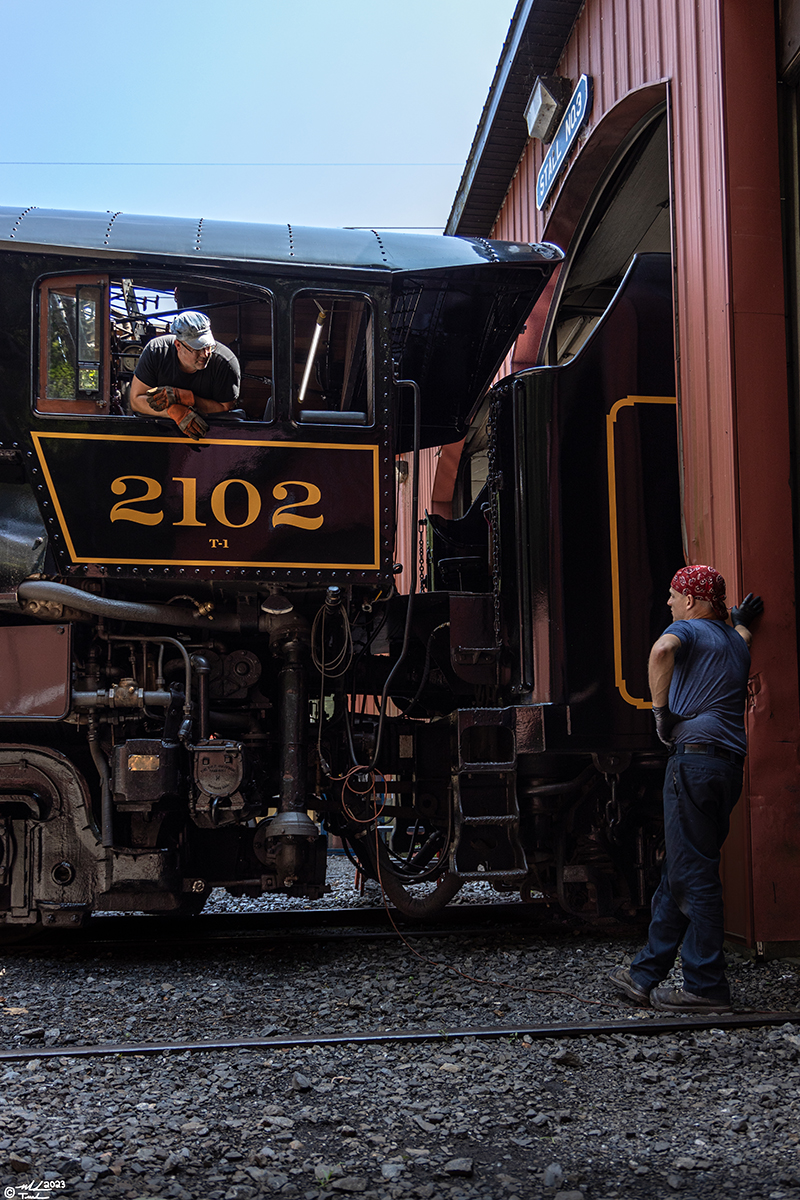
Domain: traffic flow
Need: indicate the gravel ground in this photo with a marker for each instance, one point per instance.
(344, 893)
(696, 1115)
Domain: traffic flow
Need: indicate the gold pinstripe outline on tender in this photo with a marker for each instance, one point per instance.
(628, 402)
(215, 562)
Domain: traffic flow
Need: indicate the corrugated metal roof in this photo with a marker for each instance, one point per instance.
(538, 33)
(284, 245)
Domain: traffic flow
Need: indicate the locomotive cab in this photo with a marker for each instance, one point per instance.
(194, 631)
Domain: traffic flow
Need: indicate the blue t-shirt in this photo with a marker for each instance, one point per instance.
(709, 683)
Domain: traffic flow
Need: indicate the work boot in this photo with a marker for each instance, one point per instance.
(678, 1000)
(624, 982)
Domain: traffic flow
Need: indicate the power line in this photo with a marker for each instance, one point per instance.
(43, 163)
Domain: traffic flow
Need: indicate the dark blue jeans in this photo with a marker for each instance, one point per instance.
(699, 795)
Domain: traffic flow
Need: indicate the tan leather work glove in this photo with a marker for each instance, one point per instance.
(188, 420)
(177, 403)
(160, 398)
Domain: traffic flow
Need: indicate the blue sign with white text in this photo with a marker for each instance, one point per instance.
(574, 119)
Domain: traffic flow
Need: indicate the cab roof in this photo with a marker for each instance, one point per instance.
(457, 302)
(282, 245)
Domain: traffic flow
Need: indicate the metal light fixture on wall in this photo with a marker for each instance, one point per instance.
(546, 106)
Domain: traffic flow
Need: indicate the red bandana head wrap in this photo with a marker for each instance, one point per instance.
(705, 584)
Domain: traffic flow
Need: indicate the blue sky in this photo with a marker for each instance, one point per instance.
(249, 81)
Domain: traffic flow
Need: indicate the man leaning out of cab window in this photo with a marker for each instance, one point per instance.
(186, 374)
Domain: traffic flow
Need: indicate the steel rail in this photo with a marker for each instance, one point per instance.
(640, 1026)
(297, 924)
(300, 918)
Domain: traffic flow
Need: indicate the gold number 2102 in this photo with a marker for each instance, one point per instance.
(124, 510)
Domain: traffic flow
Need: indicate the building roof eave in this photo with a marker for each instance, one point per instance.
(537, 35)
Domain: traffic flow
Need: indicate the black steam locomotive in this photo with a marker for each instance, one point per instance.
(210, 655)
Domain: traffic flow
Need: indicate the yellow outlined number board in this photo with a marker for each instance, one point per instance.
(161, 502)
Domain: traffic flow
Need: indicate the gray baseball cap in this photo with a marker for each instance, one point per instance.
(193, 329)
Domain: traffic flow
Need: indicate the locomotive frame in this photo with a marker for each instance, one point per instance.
(208, 662)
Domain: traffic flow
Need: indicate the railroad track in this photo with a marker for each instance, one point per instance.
(641, 1026)
(304, 924)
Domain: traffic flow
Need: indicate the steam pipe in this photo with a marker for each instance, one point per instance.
(405, 383)
(187, 666)
(202, 670)
(101, 762)
(294, 705)
(125, 610)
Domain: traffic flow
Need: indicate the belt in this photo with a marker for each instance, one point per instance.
(711, 750)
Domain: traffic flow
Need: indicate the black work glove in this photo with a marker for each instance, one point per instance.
(750, 608)
(665, 723)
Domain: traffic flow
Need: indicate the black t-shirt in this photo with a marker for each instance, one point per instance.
(159, 366)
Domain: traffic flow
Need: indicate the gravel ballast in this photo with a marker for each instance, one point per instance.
(693, 1114)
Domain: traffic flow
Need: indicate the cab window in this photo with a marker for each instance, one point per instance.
(333, 359)
(93, 331)
(74, 335)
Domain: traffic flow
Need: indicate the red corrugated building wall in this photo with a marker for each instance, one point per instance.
(714, 64)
